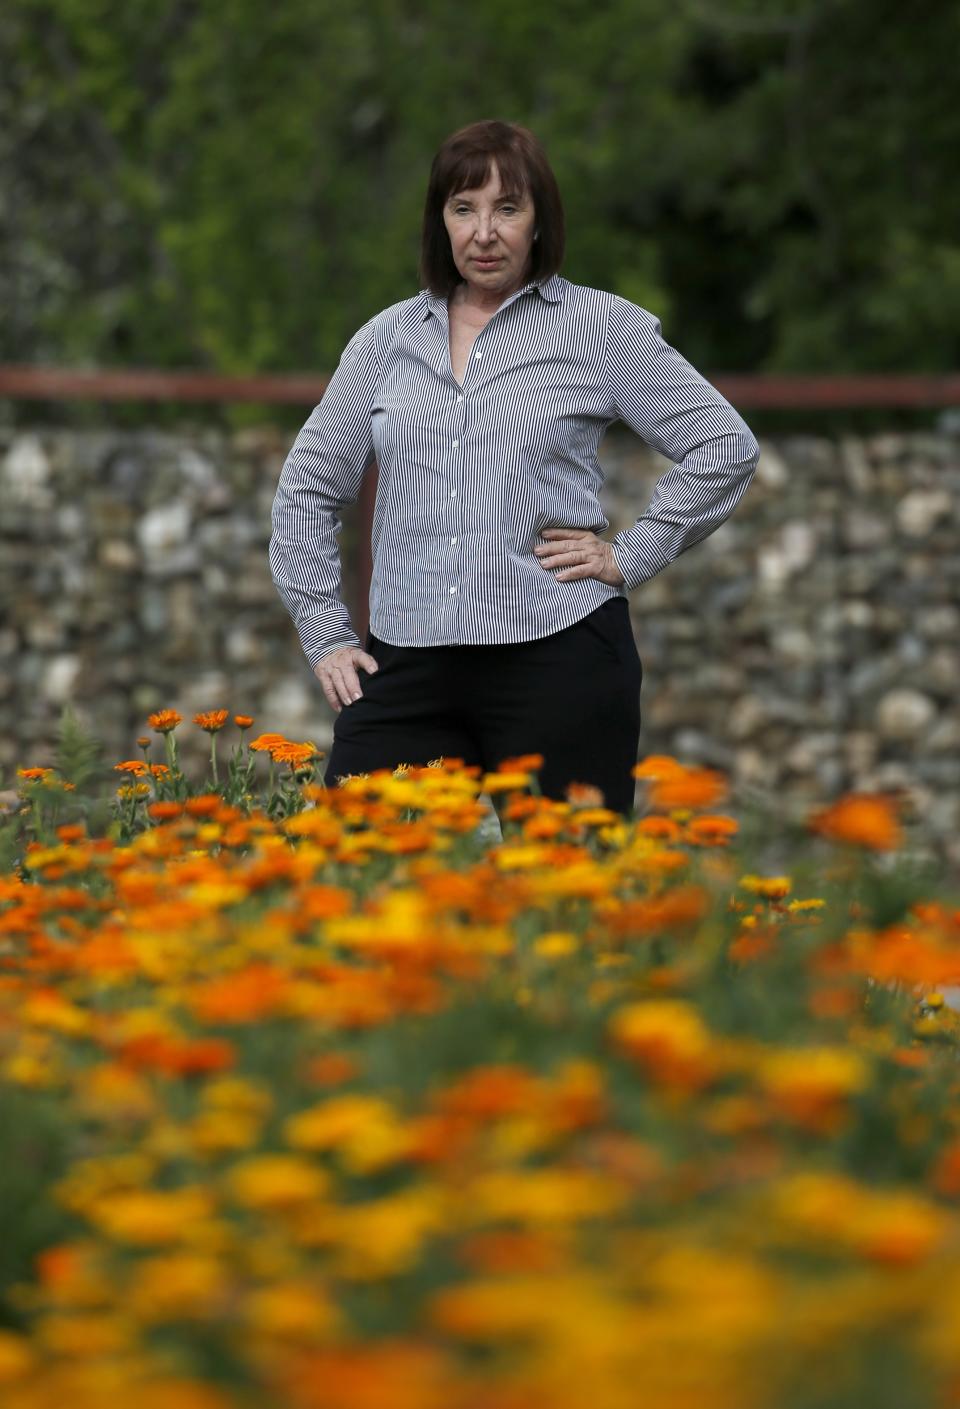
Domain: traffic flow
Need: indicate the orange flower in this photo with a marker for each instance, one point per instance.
(860, 819)
(164, 811)
(212, 719)
(243, 721)
(523, 763)
(164, 720)
(658, 765)
(265, 742)
(689, 788)
(712, 830)
(144, 741)
(33, 775)
(584, 795)
(158, 770)
(136, 766)
(294, 755)
(203, 805)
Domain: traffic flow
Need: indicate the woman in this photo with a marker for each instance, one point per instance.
(499, 621)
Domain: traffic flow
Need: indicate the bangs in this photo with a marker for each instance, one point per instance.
(465, 162)
(473, 170)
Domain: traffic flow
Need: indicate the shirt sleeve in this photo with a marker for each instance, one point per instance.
(658, 394)
(323, 472)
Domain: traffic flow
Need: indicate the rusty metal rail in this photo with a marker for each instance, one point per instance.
(749, 390)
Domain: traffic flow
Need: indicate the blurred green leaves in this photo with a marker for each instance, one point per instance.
(239, 186)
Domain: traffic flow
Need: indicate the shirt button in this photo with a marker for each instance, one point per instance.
(452, 590)
(454, 444)
(453, 494)
(460, 398)
(452, 541)
(478, 355)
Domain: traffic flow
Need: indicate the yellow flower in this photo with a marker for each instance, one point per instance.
(503, 782)
(295, 1310)
(276, 1181)
(90, 1335)
(383, 1237)
(151, 1216)
(177, 1285)
(364, 1129)
(807, 1083)
(771, 886)
(542, 1196)
(555, 944)
(668, 1038)
(17, 1356)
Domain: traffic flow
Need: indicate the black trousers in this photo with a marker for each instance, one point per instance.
(573, 696)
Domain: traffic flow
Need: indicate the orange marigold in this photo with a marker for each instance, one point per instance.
(265, 743)
(860, 819)
(33, 775)
(294, 755)
(164, 720)
(212, 719)
(131, 765)
(243, 721)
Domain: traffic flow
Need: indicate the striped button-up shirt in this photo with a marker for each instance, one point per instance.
(470, 475)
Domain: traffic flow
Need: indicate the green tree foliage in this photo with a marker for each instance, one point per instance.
(238, 186)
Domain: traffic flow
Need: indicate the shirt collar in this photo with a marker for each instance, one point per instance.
(549, 289)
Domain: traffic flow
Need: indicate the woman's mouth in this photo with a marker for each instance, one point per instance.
(486, 263)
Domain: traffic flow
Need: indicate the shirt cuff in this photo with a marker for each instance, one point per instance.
(321, 635)
(636, 556)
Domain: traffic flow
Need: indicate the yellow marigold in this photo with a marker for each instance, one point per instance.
(504, 782)
(810, 1085)
(543, 1196)
(668, 1038)
(149, 1217)
(212, 719)
(164, 720)
(177, 1284)
(16, 1356)
(296, 1309)
(276, 1181)
(859, 819)
(771, 886)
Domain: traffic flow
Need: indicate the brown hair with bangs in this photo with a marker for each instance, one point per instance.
(463, 163)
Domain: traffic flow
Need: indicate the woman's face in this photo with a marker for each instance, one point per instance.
(491, 234)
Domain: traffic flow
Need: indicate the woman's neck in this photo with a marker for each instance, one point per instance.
(480, 303)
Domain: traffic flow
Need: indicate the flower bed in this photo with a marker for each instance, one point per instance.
(323, 1099)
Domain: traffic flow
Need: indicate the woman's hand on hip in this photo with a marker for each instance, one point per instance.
(337, 673)
(578, 552)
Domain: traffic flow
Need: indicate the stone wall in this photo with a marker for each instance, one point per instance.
(810, 646)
